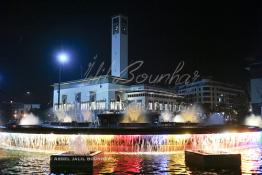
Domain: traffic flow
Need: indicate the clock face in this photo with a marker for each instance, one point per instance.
(124, 26)
(115, 25)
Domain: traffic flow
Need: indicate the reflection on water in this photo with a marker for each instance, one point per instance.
(18, 162)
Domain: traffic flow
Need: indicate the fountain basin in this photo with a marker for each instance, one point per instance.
(178, 124)
(132, 129)
(70, 162)
(134, 125)
(118, 140)
(206, 160)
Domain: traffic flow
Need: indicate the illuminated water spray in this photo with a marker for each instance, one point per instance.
(29, 119)
(131, 143)
(134, 114)
(253, 120)
(190, 114)
(71, 115)
(78, 146)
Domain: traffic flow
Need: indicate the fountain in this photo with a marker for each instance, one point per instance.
(62, 116)
(29, 119)
(135, 133)
(131, 143)
(78, 160)
(76, 147)
(187, 117)
(134, 116)
(83, 118)
(253, 120)
(166, 116)
(190, 114)
(87, 116)
(67, 119)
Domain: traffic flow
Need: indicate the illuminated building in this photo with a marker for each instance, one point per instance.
(213, 95)
(256, 87)
(107, 93)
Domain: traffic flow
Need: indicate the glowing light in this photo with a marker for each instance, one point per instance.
(63, 57)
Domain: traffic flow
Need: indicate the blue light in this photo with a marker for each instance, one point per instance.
(63, 57)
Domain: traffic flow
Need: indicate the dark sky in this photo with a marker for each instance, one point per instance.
(216, 38)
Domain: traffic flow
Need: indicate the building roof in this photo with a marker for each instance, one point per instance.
(94, 80)
(120, 81)
(209, 82)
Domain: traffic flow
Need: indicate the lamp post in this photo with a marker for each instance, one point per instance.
(62, 58)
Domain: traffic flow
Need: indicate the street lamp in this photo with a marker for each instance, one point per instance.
(62, 58)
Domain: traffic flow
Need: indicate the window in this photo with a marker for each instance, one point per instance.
(206, 88)
(166, 107)
(64, 99)
(118, 98)
(150, 106)
(161, 106)
(78, 97)
(206, 99)
(206, 94)
(124, 26)
(116, 25)
(92, 96)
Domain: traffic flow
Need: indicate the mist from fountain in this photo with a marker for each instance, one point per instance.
(134, 114)
(87, 115)
(68, 117)
(78, 145)
(189, 114)
(166, 116)
(253, 120)
(29, 119)
(62, 116)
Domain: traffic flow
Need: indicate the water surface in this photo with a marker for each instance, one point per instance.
(19, 162)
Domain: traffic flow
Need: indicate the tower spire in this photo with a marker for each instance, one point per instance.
(119, 52)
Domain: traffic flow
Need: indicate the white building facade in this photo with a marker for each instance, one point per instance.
(104, 94)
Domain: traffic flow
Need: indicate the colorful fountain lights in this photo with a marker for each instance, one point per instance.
(210, 143)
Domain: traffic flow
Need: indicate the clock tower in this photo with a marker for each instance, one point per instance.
(119, 52)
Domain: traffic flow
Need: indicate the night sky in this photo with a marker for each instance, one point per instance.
(218, 39)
